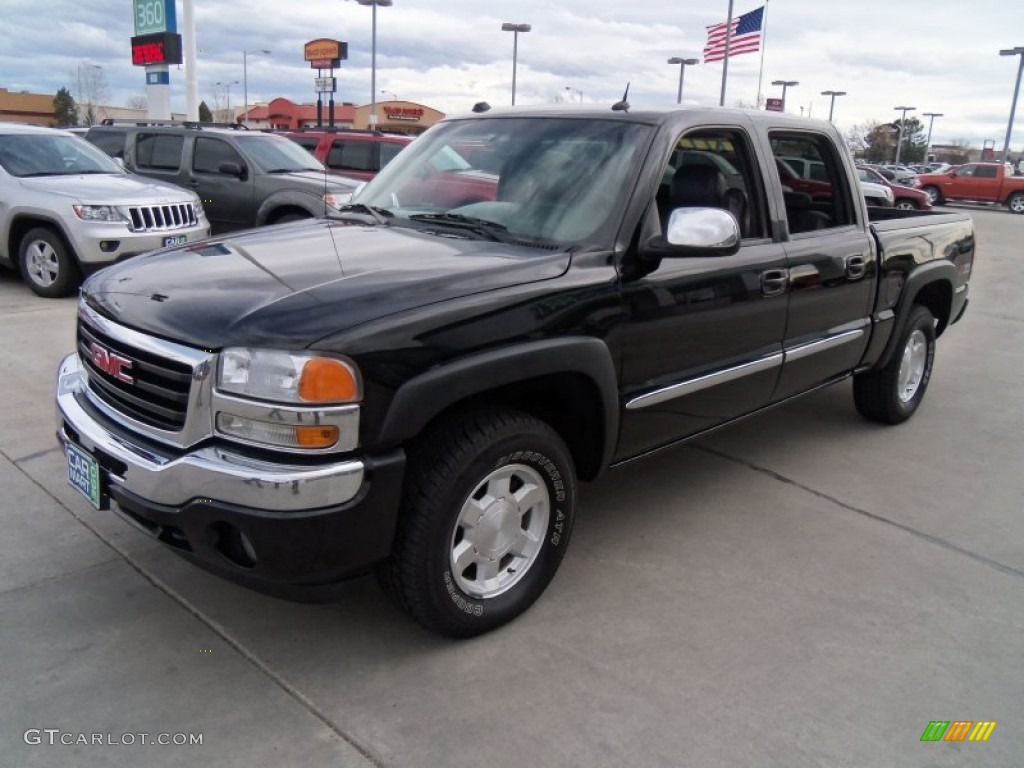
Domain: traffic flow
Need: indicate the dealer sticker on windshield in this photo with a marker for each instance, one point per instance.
(84, 475)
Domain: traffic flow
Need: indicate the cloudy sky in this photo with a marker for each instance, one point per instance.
(936, 55)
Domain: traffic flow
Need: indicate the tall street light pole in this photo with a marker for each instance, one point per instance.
(80, 94)
(515, 29)
(570, 90)
(832, 106)
(373, 57)
(785, 84)
(682, 68)
(245, 80)
(1018, 51)
(903, 129)
(227, 87)
(931, 121)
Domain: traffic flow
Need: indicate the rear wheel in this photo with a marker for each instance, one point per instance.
(891, 394)
(903, 204)
(934, 195)
(47, 264)
(1016, 202)
(486, 517)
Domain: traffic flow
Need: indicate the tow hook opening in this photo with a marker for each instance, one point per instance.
(233, 545)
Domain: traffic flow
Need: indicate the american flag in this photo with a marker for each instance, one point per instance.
(745, 37)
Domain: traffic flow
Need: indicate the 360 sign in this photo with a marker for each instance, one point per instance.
(154, 16)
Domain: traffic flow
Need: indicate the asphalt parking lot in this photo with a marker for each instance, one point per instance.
(804, 589)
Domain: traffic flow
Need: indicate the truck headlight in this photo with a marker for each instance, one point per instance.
(288, 377)
(337, 199)
(98, 213)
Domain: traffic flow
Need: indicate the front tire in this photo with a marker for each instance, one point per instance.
(1016, 202)
(933, 194)
(46, 264)
(891, 394)
(903, 204)
(486, 517)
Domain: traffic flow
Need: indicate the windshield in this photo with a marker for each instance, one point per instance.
(276, 154)
(549, 180)
(52, 155)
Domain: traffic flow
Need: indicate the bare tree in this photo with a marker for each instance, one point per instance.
(93, 91)
(139, 101)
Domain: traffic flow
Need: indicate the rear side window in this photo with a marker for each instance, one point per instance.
(210, 153)
(111, 142)
(821, 202)
(159, 151)
(353, 155)
(388, 150)
(985, 172)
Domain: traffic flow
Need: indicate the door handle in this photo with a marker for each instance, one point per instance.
(774, 281)
(856, 267)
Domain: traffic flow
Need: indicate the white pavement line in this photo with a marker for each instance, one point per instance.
(1008, 569)
(217, 628)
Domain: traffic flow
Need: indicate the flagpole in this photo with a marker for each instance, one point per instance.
(764, 44)
(725, 62)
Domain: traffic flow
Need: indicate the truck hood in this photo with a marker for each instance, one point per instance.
(290, 285)
(109, 189)
(316, 181)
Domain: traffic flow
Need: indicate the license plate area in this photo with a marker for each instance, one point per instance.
(86, 476)
(175, 240)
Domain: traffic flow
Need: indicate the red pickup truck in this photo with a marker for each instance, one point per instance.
(980, 182)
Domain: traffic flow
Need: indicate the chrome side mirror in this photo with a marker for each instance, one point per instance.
(702, 231)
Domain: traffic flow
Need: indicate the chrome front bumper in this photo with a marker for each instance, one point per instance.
(208, 473)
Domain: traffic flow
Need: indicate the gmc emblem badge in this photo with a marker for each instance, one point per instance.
(111, 364)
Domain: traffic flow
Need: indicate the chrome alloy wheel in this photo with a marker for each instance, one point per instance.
(912, 367)
(500, 531)
(1017, 203)
(43, 263)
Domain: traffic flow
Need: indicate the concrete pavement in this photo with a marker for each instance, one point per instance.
(804, 589)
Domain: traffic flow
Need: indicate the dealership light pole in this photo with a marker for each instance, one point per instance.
(385, 91)
(682, 68)
(903, 129)
(931, 121)
(515, 29)
(80, 95)
(832, 106)
(245, 80)
(1018, 51)
(373, 57)
(570, 90)
(785, 84)
(227, 87)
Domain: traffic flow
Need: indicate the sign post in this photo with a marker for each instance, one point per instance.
(322, 54)
(155, 46)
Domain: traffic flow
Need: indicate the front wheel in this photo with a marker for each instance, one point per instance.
(1016, 202)
(486, 517)
(934, 195)
(903, 204)
(891, 394)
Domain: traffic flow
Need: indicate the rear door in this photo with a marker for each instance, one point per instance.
(357, 158)
(703, 341)
(831, 265)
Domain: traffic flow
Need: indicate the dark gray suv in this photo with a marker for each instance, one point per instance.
(244, 178)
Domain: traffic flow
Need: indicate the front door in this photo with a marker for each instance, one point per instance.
(227, 198)
(702, 342)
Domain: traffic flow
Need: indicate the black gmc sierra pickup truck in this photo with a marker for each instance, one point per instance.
(523, 299)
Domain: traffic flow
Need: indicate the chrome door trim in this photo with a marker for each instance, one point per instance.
(814, 347)
(706, 381)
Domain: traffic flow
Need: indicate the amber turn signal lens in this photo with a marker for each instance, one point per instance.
(327, 381)
(316, 437)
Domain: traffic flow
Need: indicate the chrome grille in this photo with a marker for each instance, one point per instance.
(159, 392)
(160, 218)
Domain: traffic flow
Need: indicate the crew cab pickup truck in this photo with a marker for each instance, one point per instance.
(417, 389)
(976, 182)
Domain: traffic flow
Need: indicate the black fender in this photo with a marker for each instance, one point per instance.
(312, 203)
(922, 277)
(423, 397)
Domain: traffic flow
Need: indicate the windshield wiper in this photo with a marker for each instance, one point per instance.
(376, 212)
(491, 230)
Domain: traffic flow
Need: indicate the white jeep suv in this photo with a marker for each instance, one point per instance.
(66, 208)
